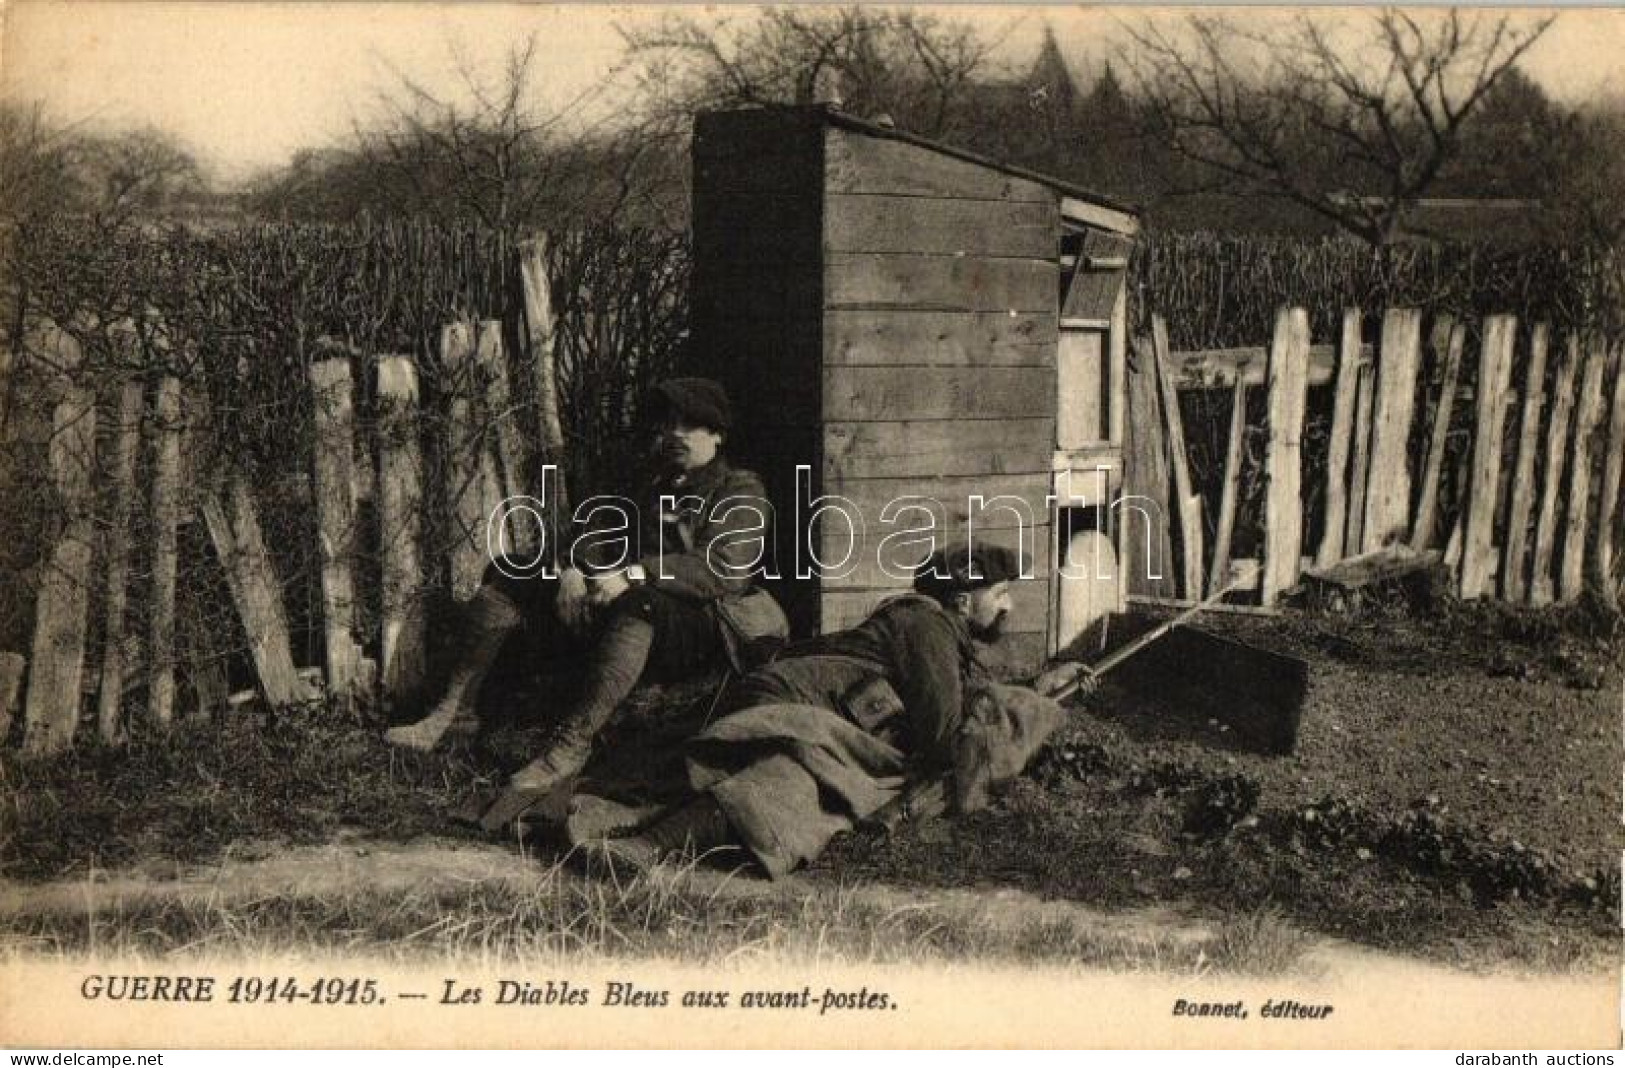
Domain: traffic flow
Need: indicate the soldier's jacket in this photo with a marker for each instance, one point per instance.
(699, 550)
(832, 731)
(902, 675)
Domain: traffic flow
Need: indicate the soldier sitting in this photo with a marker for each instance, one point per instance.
(832, 730)
(687, 606)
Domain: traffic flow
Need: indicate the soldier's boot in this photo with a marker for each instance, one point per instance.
(490, 618)
(696, 830)
(617, 663)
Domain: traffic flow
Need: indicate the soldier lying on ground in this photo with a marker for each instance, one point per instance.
(686, 607)
(833, 729)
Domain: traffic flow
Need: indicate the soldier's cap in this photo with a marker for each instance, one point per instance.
(962, 568)
(700, 401)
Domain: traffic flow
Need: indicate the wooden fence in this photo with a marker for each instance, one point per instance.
(1528, 451)
(487, 440)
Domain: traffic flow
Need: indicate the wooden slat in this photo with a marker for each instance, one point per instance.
(1143, 511)
(1092, 291)
(889, 554)
(1613, 477)
(469, 467)
(51, 712)
(1571, 575)
(1233, 457)
(1489, 427)
(1360, 462)
(12, 668)
(939, 339)
(1219, 368)
(923, 448)
(871, 496)
(116, 538)
(1117, 375)
(896, 394)
(1514, 566)
(512, 447)
(875, 223)
(1283, 459)
(331, 390)
(1122, 222)
(857, 163)
(948, 283)
(1542, 588)
(165, 503)
(1427, 507)
(233, 521)
(1339, 443)
(400, 518)
(1187, 502)
(1080, 414)
(1388, 487)
(847, 606)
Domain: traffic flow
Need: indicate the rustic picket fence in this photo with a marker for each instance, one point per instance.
(489, 441)
(1534, 488)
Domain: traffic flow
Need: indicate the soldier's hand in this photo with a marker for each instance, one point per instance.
(604, 588)
(1076, 677)
(572, 599)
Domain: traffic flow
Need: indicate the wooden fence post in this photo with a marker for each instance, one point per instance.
(539, 333)
(400, 518)
(503, 415)
(331, 390)
(1514, 564)
(234, 528)
(1427, 505)
(471, 476)
(1571, 577)
(110, 698)
(1360, 465)
(1388, 489)
(1338, 445)
(55, 682)
(1612, 476)
(1489, 428)
(1283, 462)
(1186, 501)
(1541, 586)
(166, 515)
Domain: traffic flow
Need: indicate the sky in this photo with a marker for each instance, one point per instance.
(247, 84)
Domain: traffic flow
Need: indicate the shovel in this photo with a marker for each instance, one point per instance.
(1270, 688)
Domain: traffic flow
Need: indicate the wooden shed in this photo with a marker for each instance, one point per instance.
(915, 325)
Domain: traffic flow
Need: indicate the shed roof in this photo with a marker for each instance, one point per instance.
(839, 118)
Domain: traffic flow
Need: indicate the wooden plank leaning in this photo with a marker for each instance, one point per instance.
(51, 711)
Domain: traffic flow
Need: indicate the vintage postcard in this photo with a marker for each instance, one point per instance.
(553, 525)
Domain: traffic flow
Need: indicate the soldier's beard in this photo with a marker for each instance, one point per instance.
(990, 632)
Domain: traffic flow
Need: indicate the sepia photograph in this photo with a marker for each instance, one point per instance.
(561, 525)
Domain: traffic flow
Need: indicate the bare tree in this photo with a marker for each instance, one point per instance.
(493, 156)
(917, 69)
(1354, 121)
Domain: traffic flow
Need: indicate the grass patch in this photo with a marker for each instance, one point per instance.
(669, 912)
(299, 776)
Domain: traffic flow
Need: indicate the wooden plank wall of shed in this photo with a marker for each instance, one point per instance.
(939, 308)
(755, 306)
